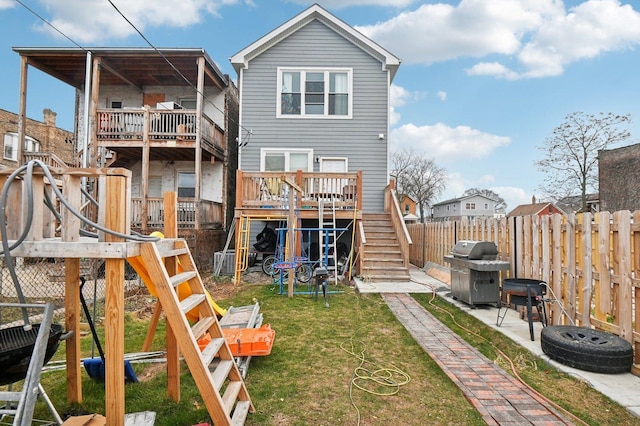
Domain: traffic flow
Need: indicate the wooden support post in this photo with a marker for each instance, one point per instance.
(113, 198)
(72, 323)
(170, 202)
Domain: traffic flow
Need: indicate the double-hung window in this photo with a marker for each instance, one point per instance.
(314, 92)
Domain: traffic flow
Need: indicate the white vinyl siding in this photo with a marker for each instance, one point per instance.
(314, 92)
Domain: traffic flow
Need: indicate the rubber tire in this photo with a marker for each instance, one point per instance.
(587, 349)
(267, 265)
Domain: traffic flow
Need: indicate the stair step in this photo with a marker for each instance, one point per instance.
(212, 349)
(230, 395)
(240, 413)
(221, 372)
(191, 301)
(200, 328)
(182, 277)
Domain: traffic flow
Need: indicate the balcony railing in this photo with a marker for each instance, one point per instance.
(272, 189)
(210, 213)
(157, 125)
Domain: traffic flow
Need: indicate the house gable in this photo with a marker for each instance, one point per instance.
(315, 12)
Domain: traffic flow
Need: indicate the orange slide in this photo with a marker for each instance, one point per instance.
(183, 290)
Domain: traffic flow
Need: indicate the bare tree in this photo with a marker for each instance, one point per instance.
(571, 152)
(418, 177)
(499, 204)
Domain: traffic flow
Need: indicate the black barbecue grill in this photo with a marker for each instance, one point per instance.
(475, 272)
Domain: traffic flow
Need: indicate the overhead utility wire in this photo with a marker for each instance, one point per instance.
(249, 132)
(49, 24)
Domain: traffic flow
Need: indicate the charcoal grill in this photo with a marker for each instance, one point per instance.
(16, 348)
(524, 292)
(475, 272)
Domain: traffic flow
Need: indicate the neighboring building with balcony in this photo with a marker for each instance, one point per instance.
(169, 116)
(469, 207)
(314, 97)
(43, 140)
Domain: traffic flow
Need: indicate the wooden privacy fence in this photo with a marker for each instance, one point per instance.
(591, 262)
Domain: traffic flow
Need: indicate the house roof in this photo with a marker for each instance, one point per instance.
(315, 12)
(530, 209)
(457, 200)
(126, 66)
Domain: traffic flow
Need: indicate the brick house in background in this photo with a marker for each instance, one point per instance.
(619, 178)
(535, 208)
(42, 137)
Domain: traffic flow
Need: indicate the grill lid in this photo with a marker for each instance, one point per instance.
(475, 250)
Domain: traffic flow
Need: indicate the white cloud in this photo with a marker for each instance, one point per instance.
(513, 196)
(540, 35)
(92, 21)
(442, 95)
(446, 143)
(7, 4)
(398, 97)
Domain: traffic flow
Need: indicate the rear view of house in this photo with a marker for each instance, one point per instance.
(314, 106)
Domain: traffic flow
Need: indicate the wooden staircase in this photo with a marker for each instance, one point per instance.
(228, 407)
(382, 259)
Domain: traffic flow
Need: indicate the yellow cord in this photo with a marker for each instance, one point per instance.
(380, 381)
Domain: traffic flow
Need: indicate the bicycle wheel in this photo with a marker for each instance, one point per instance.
(303, 272)
(267, 265)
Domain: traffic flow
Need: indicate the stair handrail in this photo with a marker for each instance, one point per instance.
(392, 206)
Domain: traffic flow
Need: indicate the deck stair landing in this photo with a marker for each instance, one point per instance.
(382, 259)
(223, 390)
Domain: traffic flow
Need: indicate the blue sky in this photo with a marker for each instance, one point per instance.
(481, 85)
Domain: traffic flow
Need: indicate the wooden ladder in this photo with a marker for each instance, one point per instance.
(231, 406)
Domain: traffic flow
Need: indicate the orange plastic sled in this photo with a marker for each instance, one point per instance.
(246, 341)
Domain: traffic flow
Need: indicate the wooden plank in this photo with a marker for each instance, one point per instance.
(586, 282)
(603, 296)
(72, 323)
(623, 219)
(635, 267)
(86, 247)
(170, 202)
(570, 266)
(115, 188)
(556, 274)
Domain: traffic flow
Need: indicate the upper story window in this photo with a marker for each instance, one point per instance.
(471, 206)
(11, 146)
(314, 93)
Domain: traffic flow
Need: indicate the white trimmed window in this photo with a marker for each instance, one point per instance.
(11, 146)
(281, 160)
(314, 92)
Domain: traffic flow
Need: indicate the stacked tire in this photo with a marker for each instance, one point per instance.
(587, 349)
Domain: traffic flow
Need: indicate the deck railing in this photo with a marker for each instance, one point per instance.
(210, 213)
(272, 189)
(151, 124)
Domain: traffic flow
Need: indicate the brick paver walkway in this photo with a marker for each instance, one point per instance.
(499, 398)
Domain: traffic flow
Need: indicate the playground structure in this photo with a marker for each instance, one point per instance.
(63, 234)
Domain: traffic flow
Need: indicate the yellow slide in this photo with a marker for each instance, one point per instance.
(183, 290)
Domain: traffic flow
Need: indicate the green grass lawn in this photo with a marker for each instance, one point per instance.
(350, 363)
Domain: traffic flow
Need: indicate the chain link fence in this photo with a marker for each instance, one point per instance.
(42, 280)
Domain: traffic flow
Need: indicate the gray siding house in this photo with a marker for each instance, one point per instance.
(464, 208)
(314, 109)
(314, 96)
